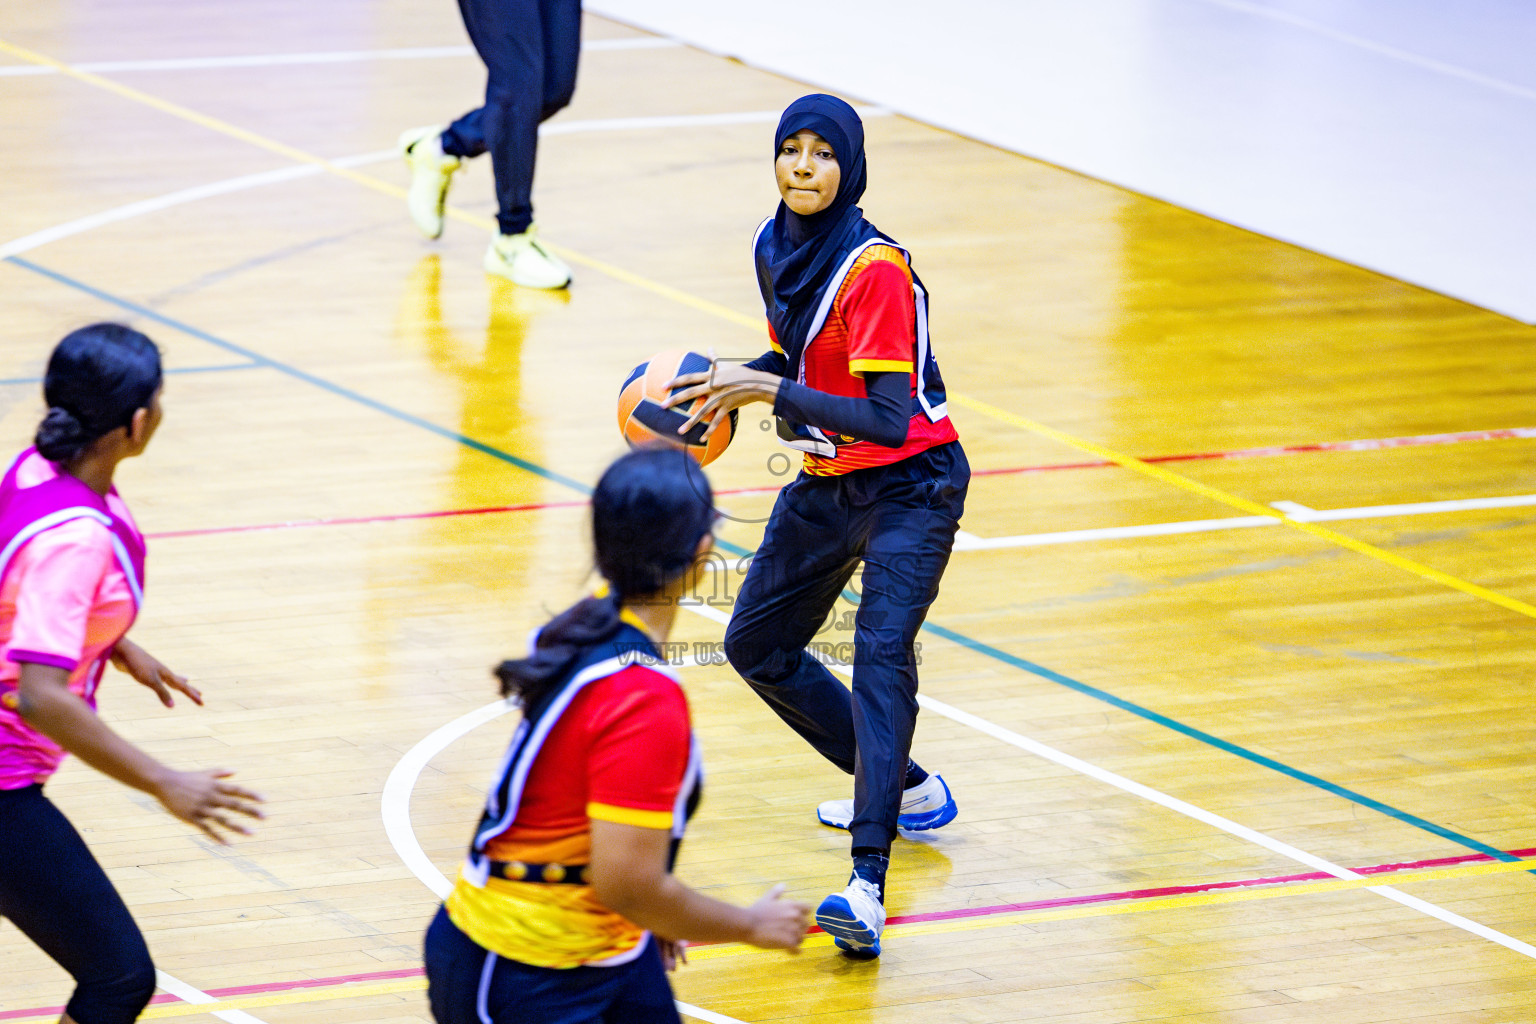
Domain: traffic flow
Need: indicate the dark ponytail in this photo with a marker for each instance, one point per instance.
(97, 378)
(649, 512)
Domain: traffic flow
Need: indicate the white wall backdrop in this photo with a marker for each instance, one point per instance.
(1398, 135)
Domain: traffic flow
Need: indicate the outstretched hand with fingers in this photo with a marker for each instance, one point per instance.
(205, 800)
(145, 668)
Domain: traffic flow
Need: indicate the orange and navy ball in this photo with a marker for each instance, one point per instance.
(643, 421)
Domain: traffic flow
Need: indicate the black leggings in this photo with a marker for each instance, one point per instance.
(56, 893)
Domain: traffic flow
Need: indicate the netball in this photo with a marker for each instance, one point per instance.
(642, 420)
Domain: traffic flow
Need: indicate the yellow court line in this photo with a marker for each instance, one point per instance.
(820, 940)
(1245, 505)
(731, 315)
(255, 1002)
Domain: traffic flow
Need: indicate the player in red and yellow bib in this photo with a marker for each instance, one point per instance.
(566, 908)
(855, 386)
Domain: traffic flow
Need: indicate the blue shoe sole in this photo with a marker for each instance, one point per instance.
(931, 819)
(851, 935)
(913, 822)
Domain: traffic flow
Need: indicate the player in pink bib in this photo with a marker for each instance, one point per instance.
(71, 583)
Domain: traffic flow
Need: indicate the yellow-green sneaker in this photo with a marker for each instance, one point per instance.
(523, 259)
(431, 173)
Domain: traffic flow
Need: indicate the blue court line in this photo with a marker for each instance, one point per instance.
(947, 634)
(180, 369)
(258, 359)
(1215, 741)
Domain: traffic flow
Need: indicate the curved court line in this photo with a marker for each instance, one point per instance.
(156, 204)
(396, 797)
(735, 549)
(725, 313)
(146, 206)
(395, 801)
(395, 808)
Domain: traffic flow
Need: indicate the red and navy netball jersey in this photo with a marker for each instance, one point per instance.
(873, 318)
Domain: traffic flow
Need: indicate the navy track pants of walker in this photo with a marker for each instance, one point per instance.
(530, 49)
(900, 520)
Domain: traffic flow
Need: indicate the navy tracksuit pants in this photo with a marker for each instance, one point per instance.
(900, 521)
(530, 49)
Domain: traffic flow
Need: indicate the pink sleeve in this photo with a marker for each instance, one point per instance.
(59, 573)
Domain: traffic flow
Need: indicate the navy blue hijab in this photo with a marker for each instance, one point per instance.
(797, 255)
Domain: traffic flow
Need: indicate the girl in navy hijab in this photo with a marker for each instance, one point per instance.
(855, 387)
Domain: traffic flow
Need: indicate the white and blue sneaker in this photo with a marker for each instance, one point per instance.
(854, 918)
(926, 805)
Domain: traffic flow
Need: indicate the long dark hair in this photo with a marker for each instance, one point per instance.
(649, 512)
(97, 378)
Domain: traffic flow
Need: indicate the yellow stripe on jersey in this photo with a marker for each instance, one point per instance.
(775, 346)
(879, 365)
(629, 816)
(543, 925)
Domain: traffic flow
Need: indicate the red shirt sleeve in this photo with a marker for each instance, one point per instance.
(639, 749)
(880, 312)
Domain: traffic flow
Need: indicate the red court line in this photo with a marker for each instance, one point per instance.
(247, 990)
(355, 520)
(940, 915)
(1375, 444)
(1183, 890)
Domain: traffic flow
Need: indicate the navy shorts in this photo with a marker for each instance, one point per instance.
(467, 984)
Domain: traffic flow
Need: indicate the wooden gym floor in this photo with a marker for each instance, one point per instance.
(1213, 764)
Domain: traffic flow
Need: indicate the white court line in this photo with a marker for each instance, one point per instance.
(395, 805)
(264, 60)
(1407, 57)
(1300, 513)
(17, 246)
(187, 994)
